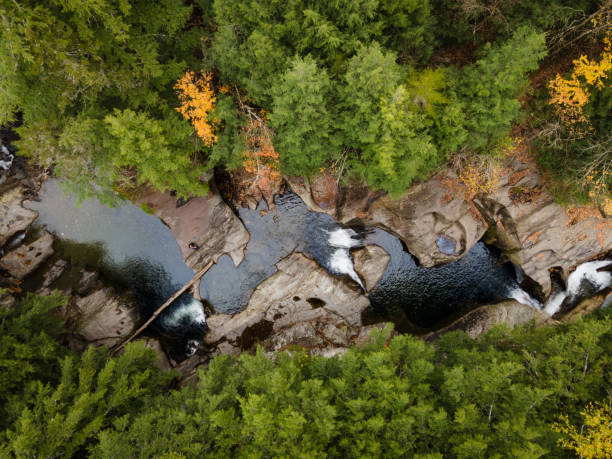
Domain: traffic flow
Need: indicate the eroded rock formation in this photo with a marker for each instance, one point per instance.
(521, 216)
(301, 304)
(205, 220)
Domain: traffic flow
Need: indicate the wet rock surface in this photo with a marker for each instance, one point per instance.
(26, 258)
(482, 319)
(543, 233)
(89, 281)
(14, 218)
(162, 361)
(205, 220)
(301, 304)
(319, 193)
(439, 225)
(104, 317)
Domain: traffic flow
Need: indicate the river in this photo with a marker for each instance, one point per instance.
(138, 251)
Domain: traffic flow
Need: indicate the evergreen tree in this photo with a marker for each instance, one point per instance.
(67, 64)
(29, 352)
(306, 139)
(93, 393)
(488, 90)
(378, 120)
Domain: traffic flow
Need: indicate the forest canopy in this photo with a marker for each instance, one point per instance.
(527, 392)
(106, 91)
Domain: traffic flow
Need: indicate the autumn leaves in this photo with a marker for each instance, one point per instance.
(261, 170)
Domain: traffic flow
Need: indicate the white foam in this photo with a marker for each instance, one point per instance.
(344, 238)
(584, 272)
(588, 271)
(192, 312)
(6, 165)
(523, 297)
(554, 303)
(192, 346)
(341, 263)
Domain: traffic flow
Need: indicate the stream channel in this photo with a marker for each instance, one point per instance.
(138, 251)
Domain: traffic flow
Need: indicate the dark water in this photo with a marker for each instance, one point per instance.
(140, 251)
(274, 235)
(131, 248)
(426, 297)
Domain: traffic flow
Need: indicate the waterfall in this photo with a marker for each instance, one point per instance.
(520, 295)
(586, 280)
(341, 263)
(344, 238)
(188, 313)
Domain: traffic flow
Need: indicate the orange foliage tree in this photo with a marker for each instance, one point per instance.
(261, 159)
(260, 174)
(198, 103)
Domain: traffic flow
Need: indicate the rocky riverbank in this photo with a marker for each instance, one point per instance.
(302, 304)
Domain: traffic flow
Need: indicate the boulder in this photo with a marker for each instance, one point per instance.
(482, 319)
(371, 263)
(7, 301)
(587, 306)
(301, 304)
(319, 193)
(54, 273)
(13, 216)
(26, 258)
(105, 318)
(206, 220)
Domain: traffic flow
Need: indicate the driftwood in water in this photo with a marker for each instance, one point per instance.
(164, 306)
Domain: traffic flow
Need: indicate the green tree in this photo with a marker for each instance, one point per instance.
(153, 148)
(488, 90)
(66, 65)
(379, 120)
(92, 393)
(29, 352)
(301, 115)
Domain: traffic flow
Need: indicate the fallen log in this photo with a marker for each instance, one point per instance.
(158, 311)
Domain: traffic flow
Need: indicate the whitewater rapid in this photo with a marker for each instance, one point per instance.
(341, 261)
(586, 280)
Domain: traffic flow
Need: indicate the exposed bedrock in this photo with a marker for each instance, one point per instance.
(482, 319)
(438, 225)
(205, 220)
(301, 304)
(25, 259)
(371, 263)
(104, 317)
(14, 218)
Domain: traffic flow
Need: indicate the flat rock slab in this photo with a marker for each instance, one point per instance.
(26, 258)
(105, 318)
(300, 304)
(206, 220)
(13, 216)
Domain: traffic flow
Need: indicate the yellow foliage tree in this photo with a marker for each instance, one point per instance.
(198, 103)
(594, 438)
(570, 95)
